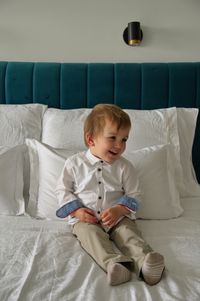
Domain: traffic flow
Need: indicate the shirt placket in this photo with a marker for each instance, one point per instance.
(100, 188)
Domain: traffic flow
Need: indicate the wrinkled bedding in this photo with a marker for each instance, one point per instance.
(41, 260)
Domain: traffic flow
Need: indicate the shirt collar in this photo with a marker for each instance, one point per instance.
(93, 159)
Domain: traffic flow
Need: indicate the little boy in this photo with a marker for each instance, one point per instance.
(98, 191)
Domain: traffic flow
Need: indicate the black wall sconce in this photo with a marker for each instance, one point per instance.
(133, 34)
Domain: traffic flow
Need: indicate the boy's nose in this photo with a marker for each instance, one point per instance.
(118, 144)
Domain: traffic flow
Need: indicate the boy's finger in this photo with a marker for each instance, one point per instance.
(89, 211)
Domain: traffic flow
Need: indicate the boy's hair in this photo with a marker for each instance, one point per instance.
(95, 121)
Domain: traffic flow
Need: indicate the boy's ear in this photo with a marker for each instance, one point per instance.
(89, 140)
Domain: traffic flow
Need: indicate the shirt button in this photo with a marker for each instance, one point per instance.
(99, 197)
(98, 211)
(99, 169)
(99, 182)
(101, 161)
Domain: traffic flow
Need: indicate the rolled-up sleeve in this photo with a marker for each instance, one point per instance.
(68, 208)
(130, 203)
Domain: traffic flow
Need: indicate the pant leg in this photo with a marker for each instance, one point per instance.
(129, 241)
(96, 242)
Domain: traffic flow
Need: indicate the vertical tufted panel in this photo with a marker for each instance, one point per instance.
(128, 85)
(198, 85)
(3, 66)
(155, 85)
(182, 85)
(73, 86)
(100, 83)
(18, 83)
(46, 84)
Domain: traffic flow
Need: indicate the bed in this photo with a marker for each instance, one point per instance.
(42, 109)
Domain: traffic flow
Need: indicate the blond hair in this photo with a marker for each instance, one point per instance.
(95, 122)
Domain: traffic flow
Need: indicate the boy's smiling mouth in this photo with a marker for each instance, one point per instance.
(113, 153)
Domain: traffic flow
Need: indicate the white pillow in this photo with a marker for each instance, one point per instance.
(11, 180)
(64, 128)
(18, 122)
(155, 166)
(46, 165)
(186, 119)
(155, 127)
(149, 127)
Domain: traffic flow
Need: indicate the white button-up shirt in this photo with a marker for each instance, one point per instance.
(87, 181)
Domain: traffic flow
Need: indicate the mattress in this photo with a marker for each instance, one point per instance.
(42, 260)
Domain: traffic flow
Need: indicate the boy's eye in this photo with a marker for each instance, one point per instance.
(112, 137)
(124, 139)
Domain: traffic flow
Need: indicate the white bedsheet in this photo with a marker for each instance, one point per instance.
(42, 261)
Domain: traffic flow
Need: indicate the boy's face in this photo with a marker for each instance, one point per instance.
(110, 143)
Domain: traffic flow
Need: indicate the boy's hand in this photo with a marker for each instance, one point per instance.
(85, 215)
(111, 216)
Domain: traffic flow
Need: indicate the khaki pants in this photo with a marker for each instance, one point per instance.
(125, 235)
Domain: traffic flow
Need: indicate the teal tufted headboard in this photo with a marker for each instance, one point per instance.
(129, 85)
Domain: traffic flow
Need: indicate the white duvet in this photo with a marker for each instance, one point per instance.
(42, 261)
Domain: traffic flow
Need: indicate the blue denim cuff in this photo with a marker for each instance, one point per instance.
(129, 202)
(68, 208)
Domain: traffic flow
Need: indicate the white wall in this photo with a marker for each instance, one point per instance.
(91, 30)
